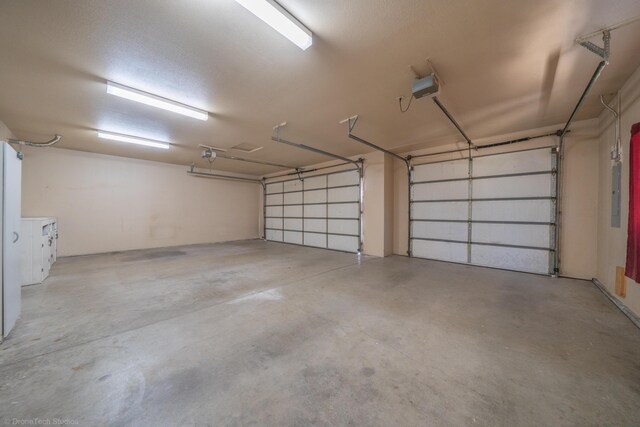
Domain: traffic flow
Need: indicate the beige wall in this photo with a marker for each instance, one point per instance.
(579, 204)
(378, 204)
(106, 203)
(612, 242)
(373, 219)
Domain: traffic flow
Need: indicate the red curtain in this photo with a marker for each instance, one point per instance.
(632, 269)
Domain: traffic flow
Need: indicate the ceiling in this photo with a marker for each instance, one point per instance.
(507, 66)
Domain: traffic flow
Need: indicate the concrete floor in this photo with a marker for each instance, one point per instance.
(255, 333)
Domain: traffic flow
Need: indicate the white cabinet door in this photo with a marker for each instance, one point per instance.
(11, 235)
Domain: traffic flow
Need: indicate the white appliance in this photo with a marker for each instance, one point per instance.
(39, 244)
(10, 172)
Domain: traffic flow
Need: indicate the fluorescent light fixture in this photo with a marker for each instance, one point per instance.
(280, 20)
(155, 101)
(133, 140)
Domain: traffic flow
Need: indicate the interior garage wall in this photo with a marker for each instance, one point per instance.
(578, 252)
(107, 203)
(377, 204)
(612, 242)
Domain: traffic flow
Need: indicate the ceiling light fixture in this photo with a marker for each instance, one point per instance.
(133, 140)
(155, 101)
(280, 20)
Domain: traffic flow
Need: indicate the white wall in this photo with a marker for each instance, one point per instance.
(107, 203)
(612, 242)
(5, 134)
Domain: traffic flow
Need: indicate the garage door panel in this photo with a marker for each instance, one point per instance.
(319, 225)
(317, 240)
(343, 178)
(521, 162)
(315, 211)
(445, 251)
(440, 230)
(344, 226)
(273, 223)
(344, 210)
(295, 185)
(315, 196)
(513, 210)
(343, 243)
(315, 182)
(274, 235)
(440, 210)
(273, 211)
(442, 170)
(293, 198)
(512, 234)
(292, 224)
(274, 188)
(292, 237)
(312, 213)
(529, 260)
(274, 199)
(441, 190)
(344, 194)
(295, 211)
(513, 186)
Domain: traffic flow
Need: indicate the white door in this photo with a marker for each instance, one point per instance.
(11, 239)
(321, 211)
(497, 210)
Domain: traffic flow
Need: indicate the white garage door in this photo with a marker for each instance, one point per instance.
(321, 211)
(496, 210)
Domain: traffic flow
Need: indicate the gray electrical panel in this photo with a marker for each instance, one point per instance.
(616, 183)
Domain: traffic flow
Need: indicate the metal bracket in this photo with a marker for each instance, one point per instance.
(352, 123)
(276, 131)
(433, 71)
(49, 143)
(602, 52)
(276, 138)
(439, 79)
(22, 143)
(453, 121)
(299, 174)
(192, 171)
